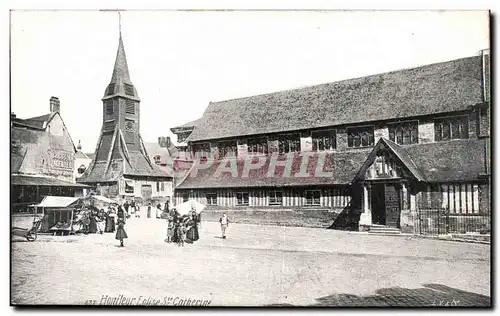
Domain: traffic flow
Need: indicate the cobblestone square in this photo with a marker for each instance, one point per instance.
(255, 266)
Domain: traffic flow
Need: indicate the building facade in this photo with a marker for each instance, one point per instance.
(121, 167)
(384, 149)
(82, 161)
(42, 157)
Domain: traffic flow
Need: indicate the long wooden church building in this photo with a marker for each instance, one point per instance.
(385, 147)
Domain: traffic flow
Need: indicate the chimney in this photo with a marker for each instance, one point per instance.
(169, 142)
(12, 115)
(55, 105)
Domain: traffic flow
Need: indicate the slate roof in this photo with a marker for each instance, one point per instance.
(187, 125)
(343, 166)
(456, 160)
(42, 181)
(38, 122)
(450, 161)
(442, 87)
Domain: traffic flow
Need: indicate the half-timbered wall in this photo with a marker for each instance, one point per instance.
(457, 198)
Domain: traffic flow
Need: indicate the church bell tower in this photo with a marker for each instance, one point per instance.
(120, 152)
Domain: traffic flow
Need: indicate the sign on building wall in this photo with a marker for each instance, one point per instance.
(61, 159)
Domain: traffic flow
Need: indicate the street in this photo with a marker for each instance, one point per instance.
(255, 266)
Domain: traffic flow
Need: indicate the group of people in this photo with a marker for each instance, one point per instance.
(93, 221)
(182, 229)
(133, 208)
(128, 209)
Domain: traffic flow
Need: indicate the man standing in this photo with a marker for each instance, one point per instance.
(224, 224)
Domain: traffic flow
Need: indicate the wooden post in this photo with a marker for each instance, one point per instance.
(71, 222)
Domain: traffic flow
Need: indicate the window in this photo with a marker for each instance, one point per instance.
(257, 146)
(404, 133)
(111, 89)
(129, 187)
(360, 136)
(109, 107)
(275, 198)
(157, 186)
(289, 143)
(130, 106)
(324, 140)
(129, 89)
(313, 197)
(81, 169)
(157, 159)
(201, 150)
(162, 186)
(242, 198)
(227, 148)
(451, 128)
(211, 198)
(185, 197)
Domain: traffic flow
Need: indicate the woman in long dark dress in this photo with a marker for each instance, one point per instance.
(192, 234)
(175, 217)
(110, 223)
(120, 231)
(92, 223)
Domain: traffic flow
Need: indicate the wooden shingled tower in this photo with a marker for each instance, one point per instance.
(120, 151)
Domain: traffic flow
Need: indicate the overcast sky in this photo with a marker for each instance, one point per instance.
(180, 61)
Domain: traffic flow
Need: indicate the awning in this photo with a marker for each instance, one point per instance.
(57, 201)
(43, 181)
(103, 199)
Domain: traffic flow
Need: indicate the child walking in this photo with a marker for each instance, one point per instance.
(181, 233)
(120, 231)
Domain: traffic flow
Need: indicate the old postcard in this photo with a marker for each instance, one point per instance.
(250, 158)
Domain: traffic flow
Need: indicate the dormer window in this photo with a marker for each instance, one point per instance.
(129, 89)
(157, 159)
(81, 169)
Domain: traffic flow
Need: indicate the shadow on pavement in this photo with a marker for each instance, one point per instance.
(431, 295)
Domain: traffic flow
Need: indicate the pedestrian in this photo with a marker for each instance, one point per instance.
(181, 233)
(170, 228)
(120, 231)
(158, 211)
(126, 205)
(192, 233)
(110, 222)
(93, 222)
(86, 222)
(149, 210)
(224, 224)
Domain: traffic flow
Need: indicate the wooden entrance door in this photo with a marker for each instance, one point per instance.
(392, 205)
(378, 203)
(146, 192)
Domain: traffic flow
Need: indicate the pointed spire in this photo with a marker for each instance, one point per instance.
(121, 68)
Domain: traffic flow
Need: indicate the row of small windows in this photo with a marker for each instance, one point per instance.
(404, 133)
(312, 198)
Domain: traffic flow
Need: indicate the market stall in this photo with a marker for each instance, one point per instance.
(57, 214)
